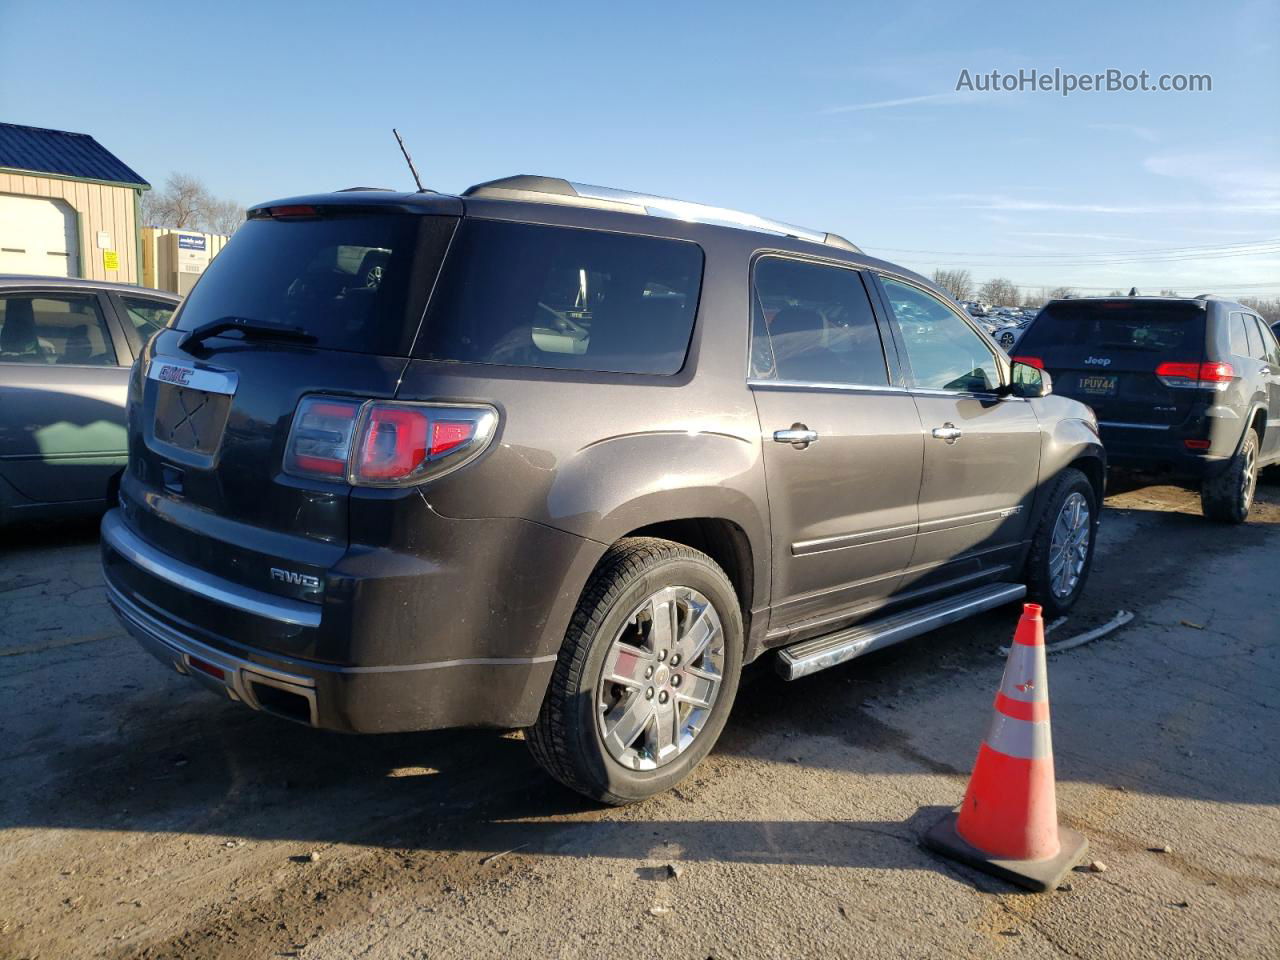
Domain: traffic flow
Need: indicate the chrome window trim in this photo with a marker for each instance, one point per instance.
(186, 577)
(820, 385)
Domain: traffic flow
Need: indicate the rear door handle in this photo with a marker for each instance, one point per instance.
(799, 436)
(948, 432)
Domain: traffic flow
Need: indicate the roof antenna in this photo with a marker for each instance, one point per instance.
(409, 160)
(1133, 291)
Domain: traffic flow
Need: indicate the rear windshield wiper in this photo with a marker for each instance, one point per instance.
(247, 328)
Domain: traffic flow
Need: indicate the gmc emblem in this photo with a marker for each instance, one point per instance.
(175, 374)
(297, 579)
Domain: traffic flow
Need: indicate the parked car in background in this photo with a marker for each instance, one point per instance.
(518, 477)
(65, 351)
(1182, 387)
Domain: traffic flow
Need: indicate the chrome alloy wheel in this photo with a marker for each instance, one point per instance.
(660, 679)
(1249, 482)
(1069, 548)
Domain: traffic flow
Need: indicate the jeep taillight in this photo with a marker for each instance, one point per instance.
(383, 443)
(1195, 376)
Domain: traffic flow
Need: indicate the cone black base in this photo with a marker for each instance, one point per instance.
(1039, 875)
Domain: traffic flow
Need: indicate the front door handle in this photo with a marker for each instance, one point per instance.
(799, 436)
(1265, 371)
(948, 432)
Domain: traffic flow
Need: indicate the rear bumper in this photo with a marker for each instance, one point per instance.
(167, 606)
(1162, 448)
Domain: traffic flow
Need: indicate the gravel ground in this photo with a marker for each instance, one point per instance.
(142, 817)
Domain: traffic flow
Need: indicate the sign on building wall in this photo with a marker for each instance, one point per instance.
(110, 260)
(191, 243)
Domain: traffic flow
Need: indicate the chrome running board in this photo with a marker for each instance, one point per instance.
(810, 656)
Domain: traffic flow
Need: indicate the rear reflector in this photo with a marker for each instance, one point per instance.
(385, 444)
(1030, 362)
(1196, 444)
(205, 667)
(1195, 376)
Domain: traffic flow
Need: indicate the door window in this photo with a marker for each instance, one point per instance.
(814, 324)
(1270, 350)
(54, 329)
(945, 353)
(147, 317)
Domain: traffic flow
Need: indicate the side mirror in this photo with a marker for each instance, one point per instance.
(1028, 382)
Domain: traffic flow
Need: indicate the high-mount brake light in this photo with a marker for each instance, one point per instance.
(293, 210)
(378, 443)
(1195, 376)
(1030, 362)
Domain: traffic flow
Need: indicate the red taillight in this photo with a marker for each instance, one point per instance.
(320, 441)
(1030, 362)
(382, 443)
(394, 443)
(1197, 376)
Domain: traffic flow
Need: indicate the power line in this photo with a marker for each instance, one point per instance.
(1209, 248)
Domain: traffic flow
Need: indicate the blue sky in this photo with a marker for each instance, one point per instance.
(838, 116)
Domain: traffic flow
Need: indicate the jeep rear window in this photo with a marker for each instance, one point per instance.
(530, 295)
(1146, 326)
(356, 282)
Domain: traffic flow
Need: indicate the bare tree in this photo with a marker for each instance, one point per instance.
(958, 283)
(1032, 300)
(1061, 293)
(1168, 293)
(185, 203)
(1116, 293)
(998, 291)
(1269, 309)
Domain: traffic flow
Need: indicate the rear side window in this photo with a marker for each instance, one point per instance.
(1239, 338)
(356, 282)
(531, 295)
(147, 317)
(1174, 329)
(54, 328)
(814, 324)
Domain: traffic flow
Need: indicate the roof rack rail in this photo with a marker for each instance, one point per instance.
(537, 189)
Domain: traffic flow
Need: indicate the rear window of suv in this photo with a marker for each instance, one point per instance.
(356, 282)
(566, 298)
(1170, 328)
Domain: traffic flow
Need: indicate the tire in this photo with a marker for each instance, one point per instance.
(568, 739)
(1228, 496)
(1045, 584)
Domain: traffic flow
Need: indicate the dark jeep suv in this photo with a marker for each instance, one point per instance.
(1182, 388)
(565, 458)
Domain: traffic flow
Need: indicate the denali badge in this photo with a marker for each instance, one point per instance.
(299, 579)
(171, 373)
(1098, 361)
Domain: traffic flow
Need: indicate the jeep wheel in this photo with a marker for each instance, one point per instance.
(646, 676)
(1228, 496)
(1062, 547)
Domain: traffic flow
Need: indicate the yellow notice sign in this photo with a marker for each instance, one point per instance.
(110, 260)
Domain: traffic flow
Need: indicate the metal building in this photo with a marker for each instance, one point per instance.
(68, 207)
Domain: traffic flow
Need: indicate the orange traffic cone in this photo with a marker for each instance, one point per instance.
(1008, 822)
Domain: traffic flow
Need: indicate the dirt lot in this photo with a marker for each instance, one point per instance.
(142, 817)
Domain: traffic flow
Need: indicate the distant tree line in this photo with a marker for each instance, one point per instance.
(1005, 293)
(185, 203)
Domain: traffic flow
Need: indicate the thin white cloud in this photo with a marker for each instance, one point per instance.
(1078, 236)
(956, 96)
(1142, 133)
(1235, 178)
(1262, 206)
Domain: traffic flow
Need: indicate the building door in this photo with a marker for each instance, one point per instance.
(38, 236)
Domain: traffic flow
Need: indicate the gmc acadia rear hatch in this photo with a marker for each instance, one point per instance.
(305, 299)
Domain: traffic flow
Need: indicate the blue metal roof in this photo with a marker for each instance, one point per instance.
(60, 152)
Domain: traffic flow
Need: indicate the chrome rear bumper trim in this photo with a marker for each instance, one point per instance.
(186, 577)
(239, 676)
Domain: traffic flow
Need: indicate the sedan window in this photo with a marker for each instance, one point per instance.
(54, 328)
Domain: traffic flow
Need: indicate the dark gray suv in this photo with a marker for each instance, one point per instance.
(1184, 388)
(566, 458)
